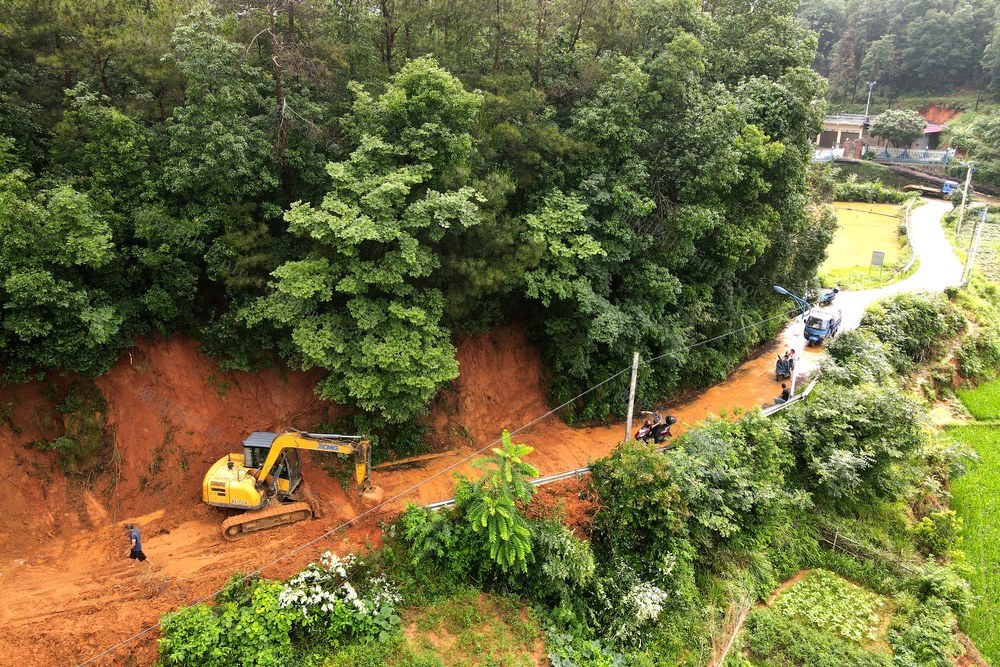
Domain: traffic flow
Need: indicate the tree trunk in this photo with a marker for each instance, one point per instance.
(388, 37)
(579, 25)
(281, 140)
(496, 38)
(539, 33)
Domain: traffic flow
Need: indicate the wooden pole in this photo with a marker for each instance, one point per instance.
(631, 397)
(965, 193)
(970, 256)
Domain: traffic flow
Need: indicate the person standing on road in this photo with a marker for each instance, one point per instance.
(135, 543)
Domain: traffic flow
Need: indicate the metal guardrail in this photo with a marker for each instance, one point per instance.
(824, 155)
(921, 155)
(845, 119)
(580, 472)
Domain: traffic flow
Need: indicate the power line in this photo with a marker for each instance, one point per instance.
(405, 492)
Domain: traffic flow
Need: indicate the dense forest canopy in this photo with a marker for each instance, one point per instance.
(906, 46)
(351, 184)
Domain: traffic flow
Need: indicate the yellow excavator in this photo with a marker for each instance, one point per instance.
(264, 478)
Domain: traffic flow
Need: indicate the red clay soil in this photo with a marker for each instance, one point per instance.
(572, 502)
(939, 114)
(69, 590)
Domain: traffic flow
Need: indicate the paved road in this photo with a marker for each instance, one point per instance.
(939, 265)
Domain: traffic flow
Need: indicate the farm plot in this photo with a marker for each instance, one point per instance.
(988, 254)
(862, 229)
(822, 620)
(984, 401)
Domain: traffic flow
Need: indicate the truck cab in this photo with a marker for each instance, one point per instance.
(820, 325)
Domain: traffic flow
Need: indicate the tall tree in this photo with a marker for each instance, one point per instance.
(363, 304)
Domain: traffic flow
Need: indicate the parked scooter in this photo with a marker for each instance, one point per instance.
(826, 298)
(783, 368)
(655, 428)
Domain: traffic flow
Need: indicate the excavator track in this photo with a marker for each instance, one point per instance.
(277, 515)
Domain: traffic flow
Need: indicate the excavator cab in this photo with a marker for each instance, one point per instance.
(288, 469)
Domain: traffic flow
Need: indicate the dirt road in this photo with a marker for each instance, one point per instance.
(69, 591)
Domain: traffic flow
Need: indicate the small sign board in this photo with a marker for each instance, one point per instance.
(878, 256)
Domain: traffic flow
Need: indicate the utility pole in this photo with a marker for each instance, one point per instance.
(970, 255)
(631, 396)
(965, 194)
(871, 84)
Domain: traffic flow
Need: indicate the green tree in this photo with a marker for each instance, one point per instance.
(363, 305)
(57, 272)
(492, 504)
(898, 126)
(218, 151)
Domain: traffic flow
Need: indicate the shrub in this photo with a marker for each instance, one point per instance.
(262, 623)
(490, 505)
(255, 633)
(871, 192)
(487, 534)
(643, 513)
(979, 355)
(859, 356)
(438, 540)
(335, 601)
(938, 532)
(194, 636)
(562, 564)
(925, 636)
(947, 583)
(854, 443)
(912, 324)
(566, 649)
(627, 604)
(732, 476)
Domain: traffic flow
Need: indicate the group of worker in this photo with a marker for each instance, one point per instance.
(784, 368)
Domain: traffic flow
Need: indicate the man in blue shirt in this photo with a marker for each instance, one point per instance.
(135, 543)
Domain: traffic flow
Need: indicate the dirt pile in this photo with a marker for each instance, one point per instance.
(174, 413)
(939, 113)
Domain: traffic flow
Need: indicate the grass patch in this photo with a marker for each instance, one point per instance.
(976, 498)
(469, 628)
(983, 401)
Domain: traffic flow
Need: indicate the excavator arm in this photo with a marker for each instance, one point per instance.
(357, 445)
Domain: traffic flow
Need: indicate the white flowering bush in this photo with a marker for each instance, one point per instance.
(646, 601)
(631, 602)
(335, 598)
